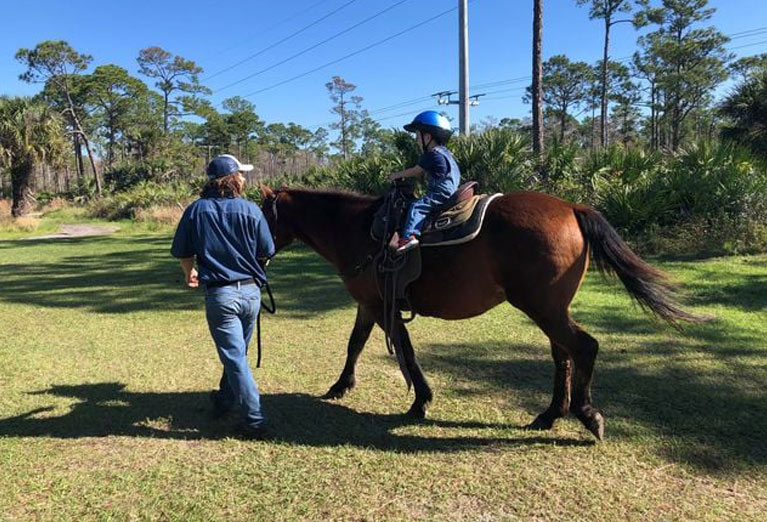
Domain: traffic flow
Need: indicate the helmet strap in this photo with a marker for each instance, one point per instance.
(424, 144)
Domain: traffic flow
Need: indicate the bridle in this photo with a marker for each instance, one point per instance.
(274, 214)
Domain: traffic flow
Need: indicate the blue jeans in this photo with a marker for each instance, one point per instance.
(418, 212)
(231, 312)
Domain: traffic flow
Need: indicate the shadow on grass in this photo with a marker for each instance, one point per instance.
(710, 419)
(134, 273)
(749, 293)
(107, 409)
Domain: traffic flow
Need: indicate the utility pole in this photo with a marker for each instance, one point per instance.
(463, 64)
(537, 77)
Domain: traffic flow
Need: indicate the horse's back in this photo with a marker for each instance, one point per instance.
(531, 209)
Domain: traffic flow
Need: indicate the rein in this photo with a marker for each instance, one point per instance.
(389, 265)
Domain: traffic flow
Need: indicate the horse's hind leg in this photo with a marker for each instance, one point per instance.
(560, 400)
(423, 393)
(582, 349)
(363, 325)
(581, 406)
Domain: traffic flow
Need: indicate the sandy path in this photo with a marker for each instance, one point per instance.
(69, 231)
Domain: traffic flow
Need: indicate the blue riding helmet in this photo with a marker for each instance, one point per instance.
(433, 123)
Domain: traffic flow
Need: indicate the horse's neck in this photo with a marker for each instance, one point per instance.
(339, 234)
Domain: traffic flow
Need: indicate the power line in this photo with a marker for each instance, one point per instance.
(388, 108)
(747, 45)
(501, 98)
(502, 82)
(359, 51)
(527, 78)
(400, 105)
(759, 33)
(623, 59)
(755, 30)
(404, 114)
(423, 98)
(478, 86)
(275, 44)
(513, 89)
(306, 50)
(271, 28)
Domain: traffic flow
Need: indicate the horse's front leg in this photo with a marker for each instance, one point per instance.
(363, 325)
(423, 394)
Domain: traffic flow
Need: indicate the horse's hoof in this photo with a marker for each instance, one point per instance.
(541, 423)
(335, 393)
(596, 425)
(416, 412)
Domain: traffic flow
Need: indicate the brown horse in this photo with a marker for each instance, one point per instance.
(533, 252)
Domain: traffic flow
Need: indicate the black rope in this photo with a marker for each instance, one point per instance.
(272, 308)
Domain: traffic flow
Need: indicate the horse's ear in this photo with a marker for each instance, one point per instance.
(266, 192)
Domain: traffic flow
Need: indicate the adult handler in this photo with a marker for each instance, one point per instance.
(228, 236)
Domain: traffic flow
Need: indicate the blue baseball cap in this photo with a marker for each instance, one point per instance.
(224, 165)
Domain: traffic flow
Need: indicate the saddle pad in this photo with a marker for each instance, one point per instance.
(458, 225)
(452, 217)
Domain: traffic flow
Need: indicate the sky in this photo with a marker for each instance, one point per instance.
(240, 45)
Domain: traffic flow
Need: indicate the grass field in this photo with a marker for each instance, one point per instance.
(106, 364)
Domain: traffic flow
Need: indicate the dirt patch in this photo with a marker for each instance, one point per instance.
(69, 231)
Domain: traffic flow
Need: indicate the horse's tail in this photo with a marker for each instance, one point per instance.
(649, 286)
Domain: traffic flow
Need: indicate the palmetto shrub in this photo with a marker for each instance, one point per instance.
(499, 159)
(624, 185)
(144, 195)
(710, 180)
(367, 174)
(564, 175)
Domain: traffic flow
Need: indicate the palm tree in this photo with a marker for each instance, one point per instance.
(746, 108)
(30, 133)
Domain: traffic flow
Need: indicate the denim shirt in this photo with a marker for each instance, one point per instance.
(228, 236)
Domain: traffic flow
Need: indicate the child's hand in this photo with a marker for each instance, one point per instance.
(394, 176)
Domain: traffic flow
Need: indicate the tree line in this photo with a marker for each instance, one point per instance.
(660, 97)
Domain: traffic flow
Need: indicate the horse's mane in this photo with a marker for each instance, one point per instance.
(331, 193)
(336, 199)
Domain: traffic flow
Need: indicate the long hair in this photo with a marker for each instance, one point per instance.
(229, 186)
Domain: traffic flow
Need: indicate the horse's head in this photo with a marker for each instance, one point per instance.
(278, 224)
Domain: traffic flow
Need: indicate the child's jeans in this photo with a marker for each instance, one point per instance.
(418, 212)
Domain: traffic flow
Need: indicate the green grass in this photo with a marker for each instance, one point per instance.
(106, 363)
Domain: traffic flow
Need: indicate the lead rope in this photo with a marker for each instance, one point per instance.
(270, 309)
